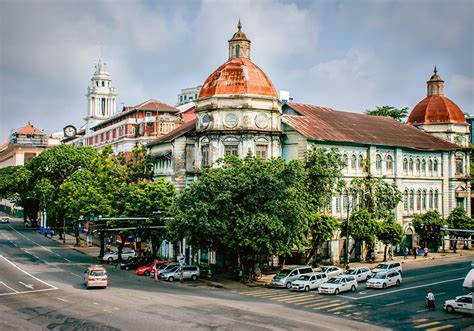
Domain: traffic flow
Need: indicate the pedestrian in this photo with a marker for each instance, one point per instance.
(430, 300)
(405, 253)
(426, 251)
(155, 269)
(372, 257)
(390, 253)
(414, 253)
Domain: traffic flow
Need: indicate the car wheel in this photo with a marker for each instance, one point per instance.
(171, 278)
(288, 285)
(336, 292)
(353, 288)
(449, 309)
(147, 273)
(384, 285)
(110, 259)
(306, 289)
(398, 282)
(194, 277)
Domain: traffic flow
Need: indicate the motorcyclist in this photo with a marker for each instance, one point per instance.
(430, 300)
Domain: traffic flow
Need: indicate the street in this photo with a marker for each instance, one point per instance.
(41, 287)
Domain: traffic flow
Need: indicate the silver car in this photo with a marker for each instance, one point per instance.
(189, 272)
(285, 277)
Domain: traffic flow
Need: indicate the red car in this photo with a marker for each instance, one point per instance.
(146, 269)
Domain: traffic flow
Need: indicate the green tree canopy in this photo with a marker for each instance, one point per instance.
(321, 229)
(433, 220)
(395, 113)
(247, 206)
(390, 233)
(362, 227)
(458, 219)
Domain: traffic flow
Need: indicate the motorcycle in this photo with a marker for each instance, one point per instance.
(430, 304)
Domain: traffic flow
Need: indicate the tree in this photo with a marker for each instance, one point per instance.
(395, 113)
(390, 233)
(321, 228)
(458, 219)
(247, 206)
(427, 226)
(376, 195)
(362, 228)
(15, 186)
(324, 175)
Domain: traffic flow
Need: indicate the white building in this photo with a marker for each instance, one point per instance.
(189, 94)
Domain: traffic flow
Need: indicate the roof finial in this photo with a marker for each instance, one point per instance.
(239, 25)
(435, 71)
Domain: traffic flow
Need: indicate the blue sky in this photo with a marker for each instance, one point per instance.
(348, 55)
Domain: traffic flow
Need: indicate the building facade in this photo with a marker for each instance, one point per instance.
(189, 94)
(238, 112)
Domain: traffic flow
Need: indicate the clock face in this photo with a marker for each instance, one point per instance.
(205, 121)
(69, 131)
(230, 120)
(261, 121)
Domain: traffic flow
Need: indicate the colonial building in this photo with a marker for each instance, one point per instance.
(238, 112)
(189, 94)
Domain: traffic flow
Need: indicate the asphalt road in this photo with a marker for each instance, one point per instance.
(41, 288)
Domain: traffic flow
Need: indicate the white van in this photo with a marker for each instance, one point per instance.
(289, 274)
(468, 283)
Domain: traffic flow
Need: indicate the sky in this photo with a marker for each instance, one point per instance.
(350, 55)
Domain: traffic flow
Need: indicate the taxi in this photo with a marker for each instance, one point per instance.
(95, 276)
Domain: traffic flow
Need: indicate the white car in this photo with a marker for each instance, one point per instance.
(462, 304)
(113, 256)
(385, 279)
(360, 273)
(330, 270)
(339, 284)
(388, 266)
(189, 272)
(5, 219)
(309, 282)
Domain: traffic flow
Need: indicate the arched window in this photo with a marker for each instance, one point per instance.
(361, 163)
(345, 160)
(389, 164)
(423, 166)
(418, 200)
(345, 200)
(405, 200)
(412, 200)
(237, 50)
(405, 165)
(436, 200)
(435, 167)
(430, 200)
(417, 165)
(430, 167)
(378, 163)
(411, 165)
(353, 161)
(459, 165)
(423, 200)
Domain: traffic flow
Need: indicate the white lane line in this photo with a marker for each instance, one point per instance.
(30, 286)
(75, 275)
(435, 294)
(25, 292)
(10, 288)
(420, 311)
(439, 272)
(63, 300)
(66, 259)
(401, 290)
(43, 247)
(27, 273)
(394, 303)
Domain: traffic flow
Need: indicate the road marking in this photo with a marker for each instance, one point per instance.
(304, 302)
(442, 327)
(394, 303)
(323, 303)
(288, 298)
(420, 320)
(25, 272)
(341, 307)
(95, 303)
(435, 294)
(66, 259)
(61, 299)
(327, 306)
(426, 325)
(30, 286)
(301, 301)
(10, 288)
(402, 289)
(420, 311)
(25, 292)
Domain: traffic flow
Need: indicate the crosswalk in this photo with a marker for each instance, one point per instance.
(328, 304)
(425, 324)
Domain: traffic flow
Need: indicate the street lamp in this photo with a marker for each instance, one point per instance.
(348, 203)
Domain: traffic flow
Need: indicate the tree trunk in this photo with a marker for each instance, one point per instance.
(385, 253)
(309, 256)
(455, 245)
(352, 249)
(102, 243)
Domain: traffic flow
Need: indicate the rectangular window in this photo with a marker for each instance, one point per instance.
(261, 151)
(205, 156)
(338, 204)
(148, 114)
(231, 150)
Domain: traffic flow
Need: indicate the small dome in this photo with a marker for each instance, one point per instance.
(436, 109)
(238, 76)
(239, 35)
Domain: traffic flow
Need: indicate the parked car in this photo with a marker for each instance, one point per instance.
(462, 304)
(339, 284)
(95, 276)
(360, 273)
(113, 256)
(309, 282)
(287, 275)
(147, 269)
(330, 270)
(189, 272)
(388, 266)
(5, 219)
(133, 263)
(385, 279)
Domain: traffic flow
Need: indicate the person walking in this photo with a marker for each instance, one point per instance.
(414, 253)
(430, 300)
(405, 253)
(155, 269)
(372, 257)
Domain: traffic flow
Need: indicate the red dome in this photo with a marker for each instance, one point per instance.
(436, 109)
(238, 76)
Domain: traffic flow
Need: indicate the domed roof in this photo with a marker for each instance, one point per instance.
(436, 109)
(238, 76)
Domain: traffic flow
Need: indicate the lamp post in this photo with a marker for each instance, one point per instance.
(347, 230)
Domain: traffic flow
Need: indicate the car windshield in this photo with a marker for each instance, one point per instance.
(334, 281)
(284, 272)
(382, 266)
(350, 272)
(97, 273)
(172, 269)
(304, 277)
(380, 276)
